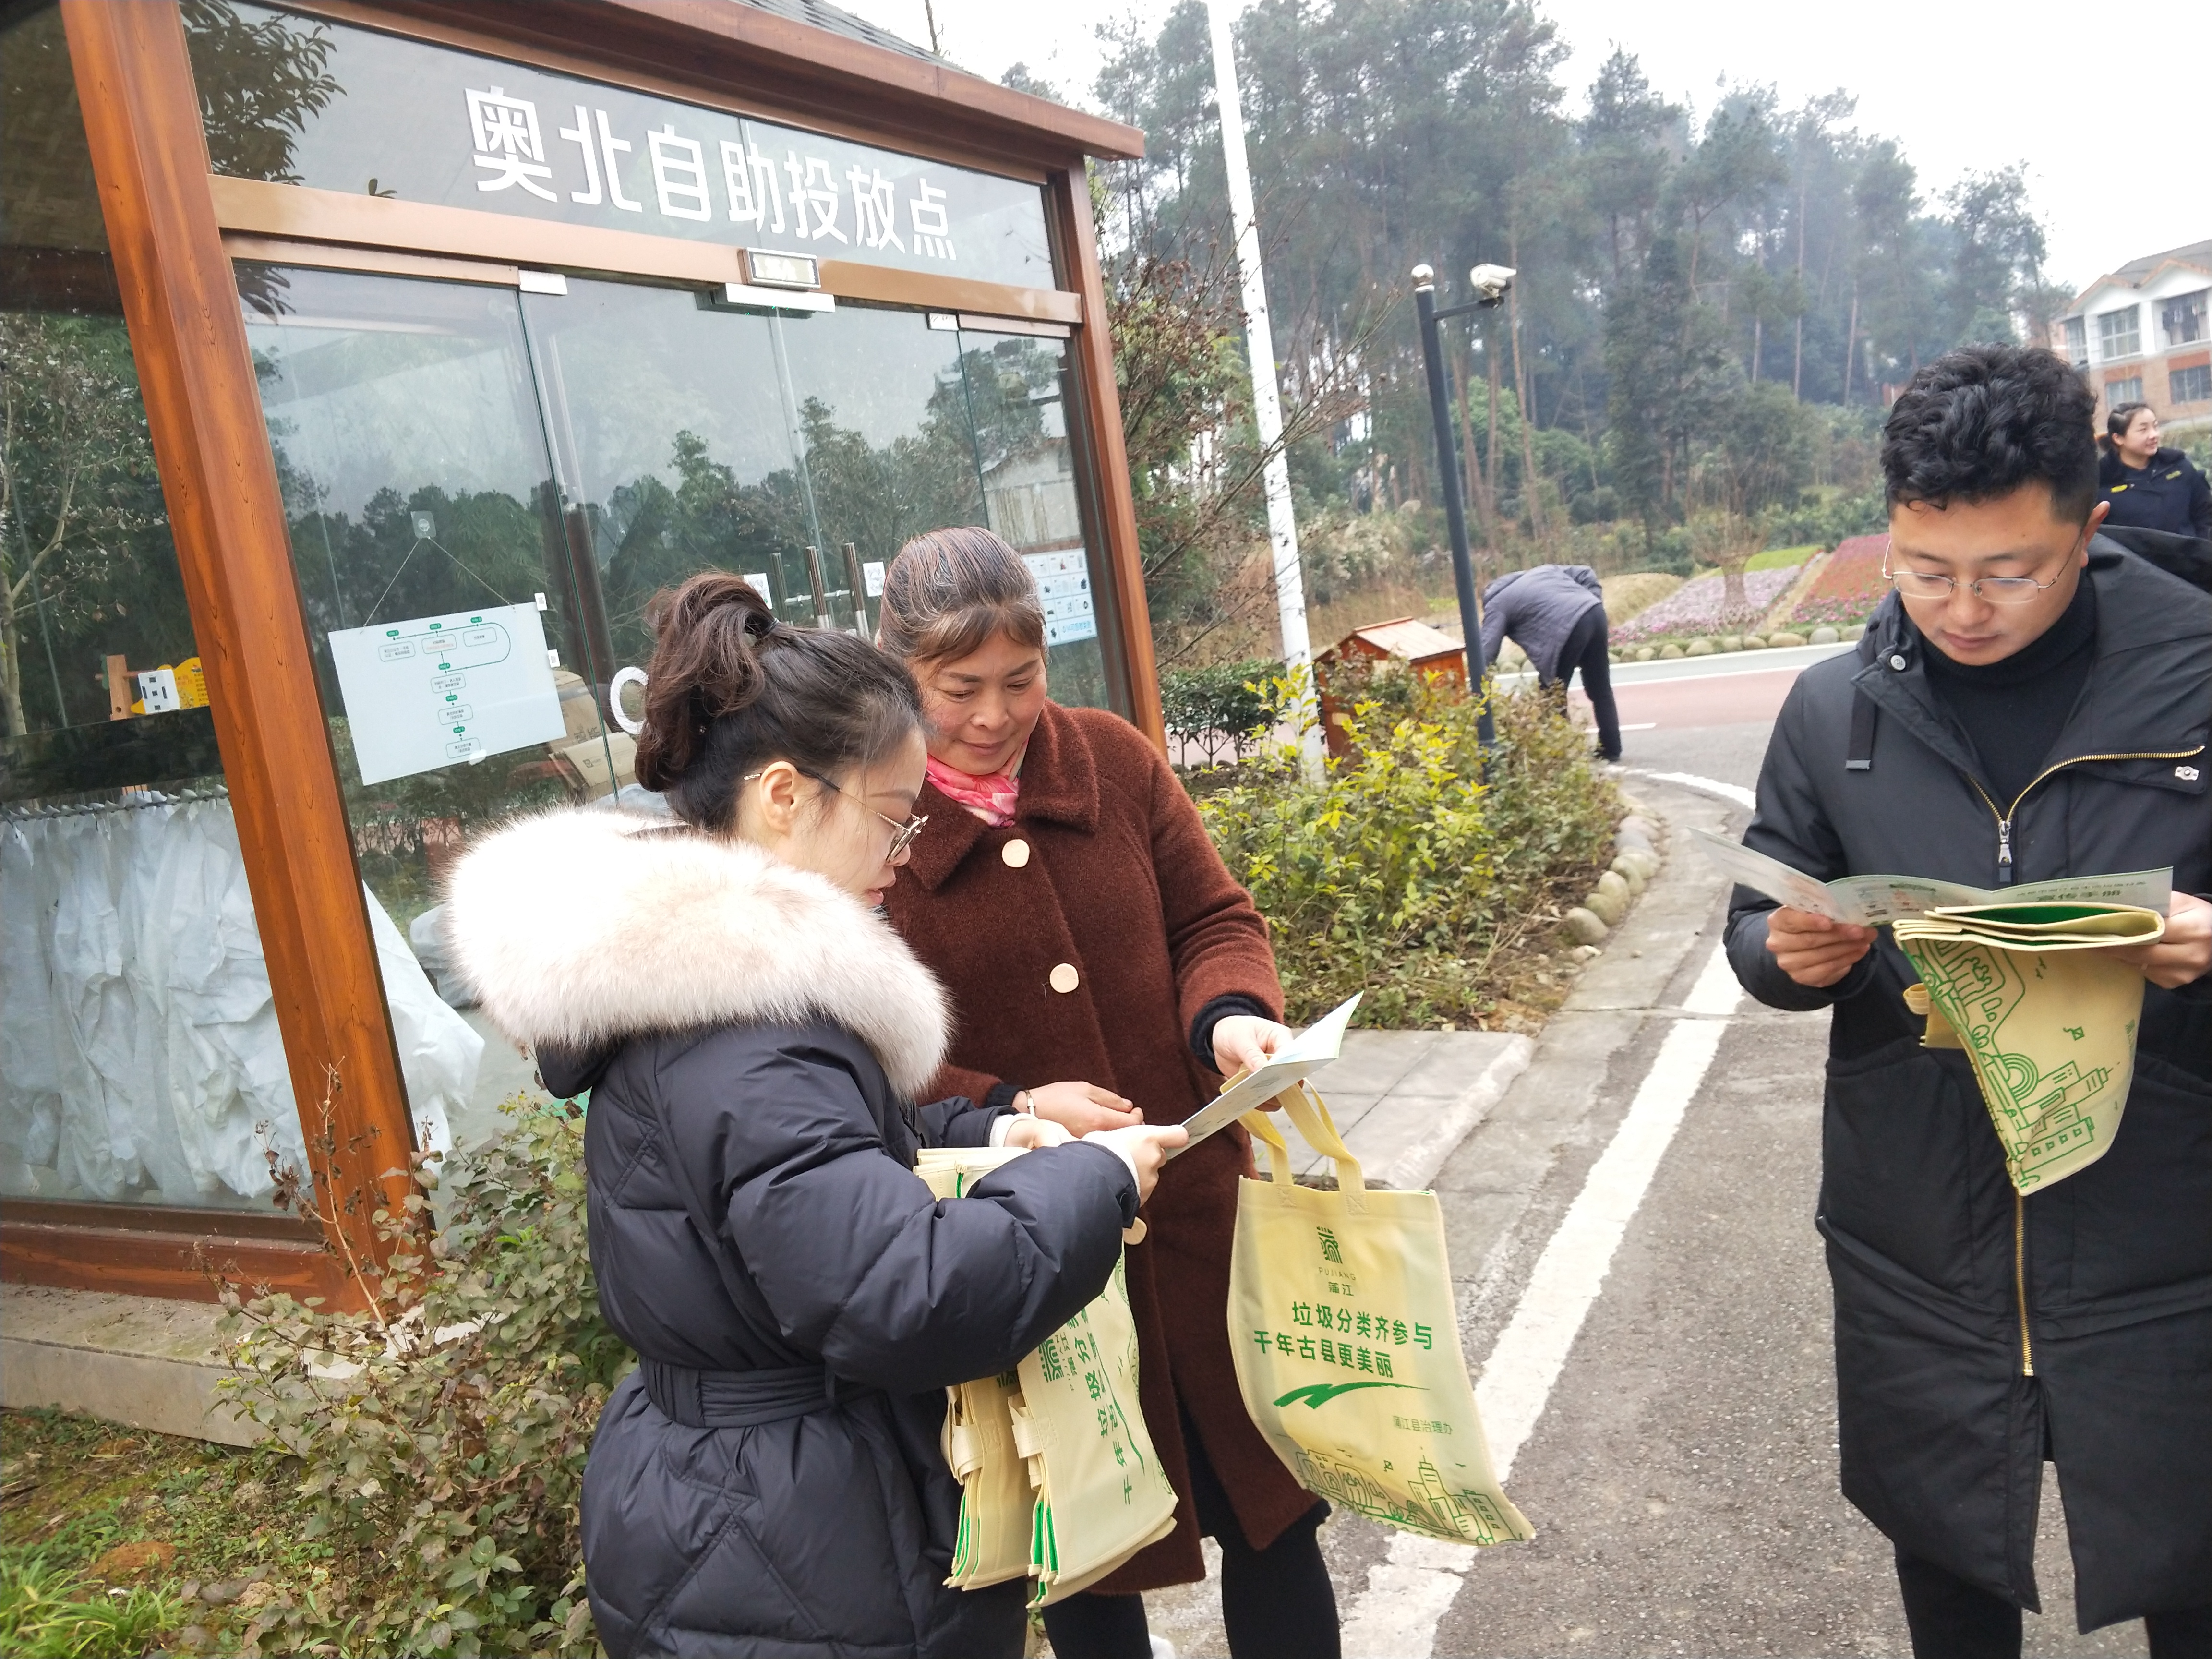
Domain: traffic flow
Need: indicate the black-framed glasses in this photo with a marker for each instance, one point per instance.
(1995, 590)
(903, 834)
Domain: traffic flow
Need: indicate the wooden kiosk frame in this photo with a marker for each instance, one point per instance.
(174, 229)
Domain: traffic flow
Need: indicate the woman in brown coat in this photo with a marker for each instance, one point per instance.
(1068, 896)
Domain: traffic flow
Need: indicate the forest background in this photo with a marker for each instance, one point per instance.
(1713, 309)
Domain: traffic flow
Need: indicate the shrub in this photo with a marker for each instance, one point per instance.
(1217, 710)
(1400, 875)
(442, 1449)
(1834, 519)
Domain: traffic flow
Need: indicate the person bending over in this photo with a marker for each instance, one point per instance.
(1556, 613)
(2022, 707)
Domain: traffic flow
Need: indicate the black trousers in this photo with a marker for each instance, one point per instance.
(1951, 1619)
(1276, 1603)
(1585, 650)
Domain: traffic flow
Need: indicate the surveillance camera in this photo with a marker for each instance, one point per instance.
(1490, 283)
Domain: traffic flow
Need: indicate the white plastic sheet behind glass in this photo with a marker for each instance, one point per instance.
(140, 1059)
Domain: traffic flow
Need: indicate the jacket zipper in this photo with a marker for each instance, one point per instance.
(2004, 818)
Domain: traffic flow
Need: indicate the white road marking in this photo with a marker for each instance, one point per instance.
(1728, 791)
(1717, 990)
(1408, 1592)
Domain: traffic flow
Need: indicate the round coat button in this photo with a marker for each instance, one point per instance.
(1898, 663)
(1016, 853)
(1064, 978)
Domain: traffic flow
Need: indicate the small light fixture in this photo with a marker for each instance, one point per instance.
(766, 269)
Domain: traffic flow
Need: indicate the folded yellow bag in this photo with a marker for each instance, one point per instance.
(996, 1501)
(2046, 1016)
(1059, 1477)
(1346, 1345)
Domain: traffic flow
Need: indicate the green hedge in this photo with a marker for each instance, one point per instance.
(1399, 873)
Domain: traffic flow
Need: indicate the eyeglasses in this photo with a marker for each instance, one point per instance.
(903, 834)
(1995, 590)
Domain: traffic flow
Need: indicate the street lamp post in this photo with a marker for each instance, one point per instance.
(1490, 283)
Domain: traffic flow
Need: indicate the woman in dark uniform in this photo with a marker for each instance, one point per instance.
(2149, 487)
(1081, 919)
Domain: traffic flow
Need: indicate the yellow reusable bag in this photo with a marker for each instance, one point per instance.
(1102, 1495)
(1341, 1319)
(2045, 1015)
(997, 1503)
(992, 1543)
(1059, 1477)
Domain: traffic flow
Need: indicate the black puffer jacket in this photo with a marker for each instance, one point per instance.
(2169, 494)
(1974, 1328)
(750, 1036)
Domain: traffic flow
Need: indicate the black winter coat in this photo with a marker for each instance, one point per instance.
(750, 1036)
(2169, 494)
(1978, 1332)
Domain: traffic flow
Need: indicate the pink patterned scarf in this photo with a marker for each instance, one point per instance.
(990, 799)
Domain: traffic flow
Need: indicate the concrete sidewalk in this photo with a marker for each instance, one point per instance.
(1404, 1100)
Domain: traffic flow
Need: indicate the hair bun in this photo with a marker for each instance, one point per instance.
(708, 636)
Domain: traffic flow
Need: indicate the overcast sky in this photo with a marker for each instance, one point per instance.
(2105, 108)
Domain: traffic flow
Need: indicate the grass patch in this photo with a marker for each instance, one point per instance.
(1627, 594)
(48, 1613)
(1783, 558)
(75, 1491)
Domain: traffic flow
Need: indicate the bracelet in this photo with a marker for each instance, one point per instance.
(1022, 1103)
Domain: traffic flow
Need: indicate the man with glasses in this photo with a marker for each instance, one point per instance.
(2031, 702)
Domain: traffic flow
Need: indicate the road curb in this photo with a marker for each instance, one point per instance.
(1412, 1169)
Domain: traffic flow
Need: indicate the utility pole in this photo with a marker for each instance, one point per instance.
(1266, 401)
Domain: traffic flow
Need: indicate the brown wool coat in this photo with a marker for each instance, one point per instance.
(1121, 885)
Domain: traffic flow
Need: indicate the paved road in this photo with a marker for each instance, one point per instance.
(1680, 1468)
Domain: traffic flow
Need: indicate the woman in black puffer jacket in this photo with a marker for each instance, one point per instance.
(768, 1482)
(2149, 487)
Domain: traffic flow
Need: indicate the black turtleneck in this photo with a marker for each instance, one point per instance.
(2014, 709)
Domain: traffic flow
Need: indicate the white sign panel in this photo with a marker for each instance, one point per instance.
(1063, 581)
(435, 690)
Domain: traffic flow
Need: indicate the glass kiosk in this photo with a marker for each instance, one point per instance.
(341, 467)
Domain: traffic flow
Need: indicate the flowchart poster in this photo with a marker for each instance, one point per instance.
(430, 691)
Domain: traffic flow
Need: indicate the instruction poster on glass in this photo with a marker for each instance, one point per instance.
(1063, 580)
(434, 691)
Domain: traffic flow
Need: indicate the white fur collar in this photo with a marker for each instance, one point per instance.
(573, 927)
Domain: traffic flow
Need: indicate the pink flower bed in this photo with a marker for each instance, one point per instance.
(1849, 587)
(1701, 607)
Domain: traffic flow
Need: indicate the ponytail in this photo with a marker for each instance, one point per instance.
(731, 688)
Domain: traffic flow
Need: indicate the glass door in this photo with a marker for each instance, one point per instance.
(486, 488)
(803, 450)
(452, 646)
